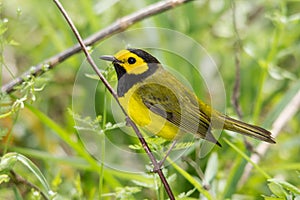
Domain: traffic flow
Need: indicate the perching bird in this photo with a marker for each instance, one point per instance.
(156, 100)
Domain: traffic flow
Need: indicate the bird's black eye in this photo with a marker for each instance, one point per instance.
(131, 60)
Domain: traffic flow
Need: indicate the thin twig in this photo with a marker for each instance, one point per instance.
(18, 180)
(118, 26)
(237, 83)
(288, 112)
(238, 45)
(198, 170)
(105, 82)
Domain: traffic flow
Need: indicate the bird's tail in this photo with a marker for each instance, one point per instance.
(247, 129)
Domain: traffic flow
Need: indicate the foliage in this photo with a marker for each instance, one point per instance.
(62, 153)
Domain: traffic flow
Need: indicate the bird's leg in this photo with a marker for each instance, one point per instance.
(160, 164)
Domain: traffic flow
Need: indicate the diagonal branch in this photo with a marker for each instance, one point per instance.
(238, 46)
(288, 112)
(118, 26)
(19, 180)
(131, 123)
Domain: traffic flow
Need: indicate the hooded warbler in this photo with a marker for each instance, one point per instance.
(154, 99)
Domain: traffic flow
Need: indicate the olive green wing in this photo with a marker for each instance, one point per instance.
(174, 102)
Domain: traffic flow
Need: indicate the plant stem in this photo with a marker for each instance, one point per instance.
(116, 27)
(9, 137)
(114, 94)
(237, 82)
(102, 143)
(268, 63)
(246, 157)
(191, 179)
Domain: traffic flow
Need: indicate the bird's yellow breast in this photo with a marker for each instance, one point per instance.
(145, 118)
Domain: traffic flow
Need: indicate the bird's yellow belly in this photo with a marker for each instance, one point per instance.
(145, 118)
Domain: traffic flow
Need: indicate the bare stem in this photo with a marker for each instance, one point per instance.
(236, 88)
(288, 112)
(118, 26)
(111, 90)
(18, 180)
(237, 83)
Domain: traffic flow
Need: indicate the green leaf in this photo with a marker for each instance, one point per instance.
(245, 156)
(34, 195)
(280, 74)
(3, 131)
(3, 30)
(13, 43)
(286, 185)
(10, 159)
(4, 178)
(127, 192)
(185, 195)
(135, 146)
(78, 187)
(146, 184)
(56, 181)
(211, 168)
(64, 135)
(94, 76)
(273, 198)
(172, 178)
(297, 197)
(192, 180)
(182, 145)
(277, 189)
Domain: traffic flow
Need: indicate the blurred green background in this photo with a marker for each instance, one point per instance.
(43, 131)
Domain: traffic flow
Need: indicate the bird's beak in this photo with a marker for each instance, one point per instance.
(110, 58)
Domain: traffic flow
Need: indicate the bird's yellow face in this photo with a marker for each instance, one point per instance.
(130, 62)
(132, 66)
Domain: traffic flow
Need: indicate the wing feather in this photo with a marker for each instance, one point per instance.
(176, 103)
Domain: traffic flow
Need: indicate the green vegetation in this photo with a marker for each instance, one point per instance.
(62, 135)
